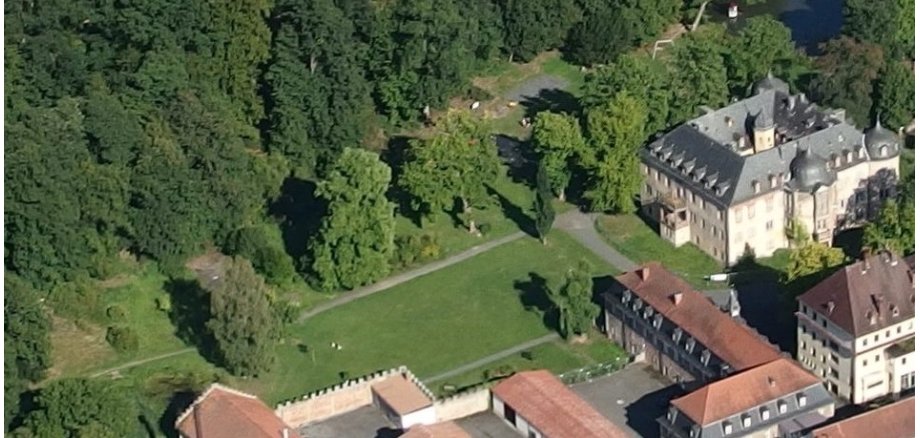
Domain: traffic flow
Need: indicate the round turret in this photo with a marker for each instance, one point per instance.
(769, 83)
(881, 143)
(809, 171)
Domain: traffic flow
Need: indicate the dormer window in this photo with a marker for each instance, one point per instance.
(883, 151)
(627, 295)
(690, 344)
(678, 332)
(849, 156)
(695, 431)
(782, 406)
(648, 312)
(726, 428)
(756, 185)
(773, 181)
(637, 305)
(672, 414)
(764, 413)
(705, 356)
(745, 420)
(895, 311)
(801, 400)
(787, 176)
(657, 321)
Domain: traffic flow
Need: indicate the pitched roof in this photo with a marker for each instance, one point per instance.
(745, 390)
(552, 408)
(222, 412)
(707, 142)
(733, 342)
(401, 395)
(891, 421)
(447, 429)
(879, 288)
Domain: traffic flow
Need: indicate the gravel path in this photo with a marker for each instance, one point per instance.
(580, 226)
(141, 362)
(533, 87)
(493, 357)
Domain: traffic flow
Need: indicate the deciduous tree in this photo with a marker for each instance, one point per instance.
(846, 79)
(355, 240)
(532, 26)
(888, 23)
(242, 321)
(454, 166)
(638, 75)
(76, 408)
(762, 46)
(699, 73)
(808, 264)
(893, 230)
(615, 133)
(558, 138)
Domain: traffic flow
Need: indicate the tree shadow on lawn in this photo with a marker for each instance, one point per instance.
(534, 295)
(517, 214)
(395, 155)
(520, 157)
(190, 313)
(299, 212)
(600, 285)
(178, 403)
(551, 99)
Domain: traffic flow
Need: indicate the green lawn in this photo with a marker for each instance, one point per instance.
(557, 356)
(632, 237)
(432, 324)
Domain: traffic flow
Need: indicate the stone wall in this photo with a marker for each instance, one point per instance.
(339, 399)
(464, 404)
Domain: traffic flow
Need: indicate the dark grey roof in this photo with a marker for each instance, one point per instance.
(810, 171)
(770, 83)
(881, 143)
(709, 144)
(764, 119)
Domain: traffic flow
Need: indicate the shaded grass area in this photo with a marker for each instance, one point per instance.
(432, 324)
(632, 237)
(558, 356)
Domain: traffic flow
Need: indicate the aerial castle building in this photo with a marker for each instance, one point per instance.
(734, 178)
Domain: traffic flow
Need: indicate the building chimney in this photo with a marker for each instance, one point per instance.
(771, 381)
(734, 306)
(677, 297)
(865, 260)
(645, 273)
(830, 307)
(285, 433)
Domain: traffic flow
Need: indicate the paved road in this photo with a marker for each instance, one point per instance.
(492, 358)
(142, 361)
(580, 226)
(387, 283)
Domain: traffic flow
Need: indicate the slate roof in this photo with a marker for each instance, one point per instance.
(735, 343)
(879, 288)
(709, 143)
(891, 421)
(224, 412)
(552, 408)
(744, 391)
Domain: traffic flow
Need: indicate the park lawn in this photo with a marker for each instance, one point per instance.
(632, 237)
(557, 356)
(556, 66)
(431, 324)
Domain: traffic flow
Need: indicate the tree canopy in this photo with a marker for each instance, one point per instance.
(558, 139)
(577, 311)
(76, 408)
(895, 101)
(847, 73)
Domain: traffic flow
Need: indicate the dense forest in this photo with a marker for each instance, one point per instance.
(160, 130)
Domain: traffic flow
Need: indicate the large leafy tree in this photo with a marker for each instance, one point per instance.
(577, 311)
(456, 165)
(558, 138)
(320, 97)
(606, 31)
(895, 102)
(809, 263)
(26, 341)
(638, 75)
(76, 408)
(242, 323)
(355, 239)
(699, 73)
(846, 79)
(615, 133)
(888, 23)
(893, 230)
(762, 46)
(532, 26)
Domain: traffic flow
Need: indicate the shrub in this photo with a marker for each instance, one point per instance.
(415, 248)
(122, 339)
(116, 313)
(477, 94)
(485, 228)
(164, 303)
(270, 261)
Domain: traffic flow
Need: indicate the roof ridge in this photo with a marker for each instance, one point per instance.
(249, 417)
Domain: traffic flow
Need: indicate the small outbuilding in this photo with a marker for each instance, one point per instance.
(403, 402)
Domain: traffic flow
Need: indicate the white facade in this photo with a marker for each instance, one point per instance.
(519, 423)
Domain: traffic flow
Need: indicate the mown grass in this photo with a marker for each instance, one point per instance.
(632, 237)
(432, 324)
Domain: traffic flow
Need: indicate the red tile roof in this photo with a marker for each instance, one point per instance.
(401, 395)
(224, 412)
(891, 421)
(745, 390)
(868, 290)
(733, 342)
(447, 429)
(552, 408)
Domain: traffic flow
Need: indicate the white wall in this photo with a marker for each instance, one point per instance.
(423, 416)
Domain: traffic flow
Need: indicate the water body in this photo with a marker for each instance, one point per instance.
(812, 21)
